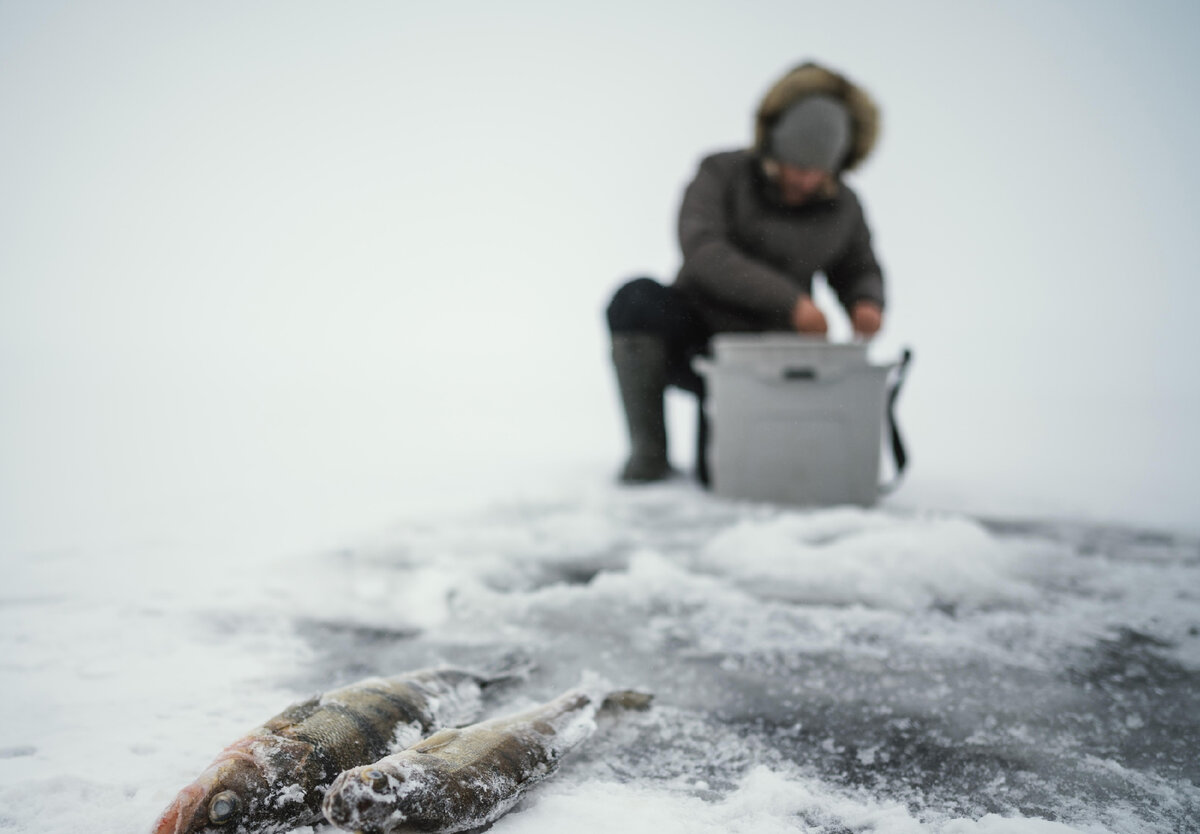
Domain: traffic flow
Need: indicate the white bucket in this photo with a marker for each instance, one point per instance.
(797, 420)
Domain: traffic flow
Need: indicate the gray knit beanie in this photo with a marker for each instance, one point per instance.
(812, 133)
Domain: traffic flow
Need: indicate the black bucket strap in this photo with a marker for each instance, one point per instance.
(898, 451)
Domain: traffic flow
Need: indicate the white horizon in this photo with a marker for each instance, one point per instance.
(279, 272)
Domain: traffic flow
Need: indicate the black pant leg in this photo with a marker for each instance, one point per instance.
(643, 305)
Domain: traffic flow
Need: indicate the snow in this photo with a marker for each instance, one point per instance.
(765, 801)
(303, 379)
(895, 563)
(995, 676)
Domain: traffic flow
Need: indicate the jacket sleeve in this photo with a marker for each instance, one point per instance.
(856, 275)
(713, 262)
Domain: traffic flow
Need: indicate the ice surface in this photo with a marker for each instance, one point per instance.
(258, 297)
(826, 671)
(765, 801)
(855, 557)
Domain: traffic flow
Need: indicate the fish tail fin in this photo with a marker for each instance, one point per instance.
(515, 666)
(626, 699)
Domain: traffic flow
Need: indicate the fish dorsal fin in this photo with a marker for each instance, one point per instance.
(294, 714)
(436, 741)
(627, 699)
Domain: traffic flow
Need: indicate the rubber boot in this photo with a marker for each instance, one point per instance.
(641, 363)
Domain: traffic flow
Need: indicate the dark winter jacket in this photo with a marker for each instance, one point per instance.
(747, 257)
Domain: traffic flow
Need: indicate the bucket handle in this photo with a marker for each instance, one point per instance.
(799, 373)
(803, 373)
(899, 452)
(704, 365)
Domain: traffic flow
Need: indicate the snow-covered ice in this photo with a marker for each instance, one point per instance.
(301, 327)
(814, 670)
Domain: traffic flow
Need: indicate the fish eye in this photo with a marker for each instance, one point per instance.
(223, 807)
(375, 778)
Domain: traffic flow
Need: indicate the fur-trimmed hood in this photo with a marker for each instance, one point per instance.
(810, 78)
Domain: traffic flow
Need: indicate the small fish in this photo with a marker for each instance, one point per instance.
(274, 778)
(465, 778)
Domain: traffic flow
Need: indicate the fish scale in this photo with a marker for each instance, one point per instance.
(348, 735)
(463, 778)
(274, 778)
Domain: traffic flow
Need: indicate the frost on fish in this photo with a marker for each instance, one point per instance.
(465, 778)
(406, 735)
(291, 794)
(275, 778)
(455, 702)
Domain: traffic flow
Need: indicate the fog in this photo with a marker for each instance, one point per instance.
(270, 273)
(304, 378)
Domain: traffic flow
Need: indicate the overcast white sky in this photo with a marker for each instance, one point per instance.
(270, 268)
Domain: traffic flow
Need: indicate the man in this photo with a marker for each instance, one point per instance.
(754, 227)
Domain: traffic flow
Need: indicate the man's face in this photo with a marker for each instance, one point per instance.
(799, 185)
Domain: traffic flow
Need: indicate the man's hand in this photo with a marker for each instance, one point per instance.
(808, 318)
(867, 318)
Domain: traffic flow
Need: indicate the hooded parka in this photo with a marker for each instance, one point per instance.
(748, 257)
